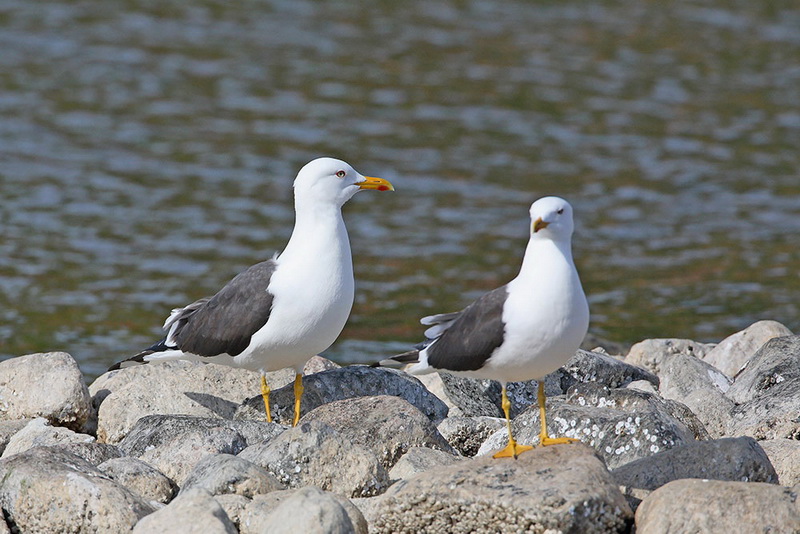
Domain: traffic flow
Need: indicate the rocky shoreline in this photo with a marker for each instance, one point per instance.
(677, 436)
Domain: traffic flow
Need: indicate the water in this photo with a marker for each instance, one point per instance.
(147, 150)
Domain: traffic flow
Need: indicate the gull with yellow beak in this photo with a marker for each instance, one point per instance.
(281, 312)
(520, 331)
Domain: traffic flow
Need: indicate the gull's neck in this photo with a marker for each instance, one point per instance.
(545, 254)
(319, 231)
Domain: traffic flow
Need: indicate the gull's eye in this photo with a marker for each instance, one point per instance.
(560, 211)
(341, 174)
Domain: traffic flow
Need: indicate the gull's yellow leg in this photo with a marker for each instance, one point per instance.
(298, 393)
(265, 396)
(513, 449)
(544, 439)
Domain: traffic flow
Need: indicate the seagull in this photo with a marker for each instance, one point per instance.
(521, 331)
(280, 312)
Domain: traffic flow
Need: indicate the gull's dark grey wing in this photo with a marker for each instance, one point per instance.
(473, 335)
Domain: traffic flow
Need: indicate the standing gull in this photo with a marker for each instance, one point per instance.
(280, 312)
(521, 331)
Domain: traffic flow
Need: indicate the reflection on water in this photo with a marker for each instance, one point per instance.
(147, 151)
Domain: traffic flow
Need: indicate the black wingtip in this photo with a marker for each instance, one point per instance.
(411, 356)
(130, 362)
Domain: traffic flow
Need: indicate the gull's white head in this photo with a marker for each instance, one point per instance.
(551, 217)
(332, 181)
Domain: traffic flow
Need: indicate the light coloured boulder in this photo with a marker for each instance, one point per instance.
(39, 433)
(179, 387)
(141, 478)
(93, 452)
(723, 459)
(45, 490)
(652, 353)
(694, 505)
(219, 474)
(701, 387)
(387, 425)
(315, 454)
(234, 506)
(733, 352)
(308, 510)
(466, 434)
(562, 488)
(48, 385)
(174, 444)
(345, 383)
(419, 459)
(784, 454)
(317, 364)
(8, 429)
(195, 512)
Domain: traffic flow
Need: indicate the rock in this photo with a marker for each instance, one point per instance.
(309, 510)
(175, 444)
(652, 353)
(433, 383)
(484, 397)
(317, 364)
(347, 382)
(692, 505)
(177, 387)
(621, 424)
(699, 386)
(141, 478)
(315, 454)
(559, 488)
(234, 506)
(733, 352)
(8, 429)
(46, 490)
(189, 513)
(48, 385)
(419, 459)
(224, 473)
(740, 459)
(94, 453)
(770, 416)
(775, 364)
(38, 433)
(466, 434)
(386, 425)
(784, 454)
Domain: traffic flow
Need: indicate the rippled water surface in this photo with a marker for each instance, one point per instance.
(147, 151)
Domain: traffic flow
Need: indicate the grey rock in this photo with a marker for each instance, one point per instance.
(234, 506)
(8, 429)
(555, 489)
(652, 353)
(190, 513)
(623, 425)
(419, 459)
(309, 510)
(739, 459)
(699, 386)
(94, 453)
(224, 473)
(39, 433)
(733, 352)
(466, 434)
(433, 383)
(202, 390)
(775, 364)
(347, 382)
(784, 454)
(46, 490)
(692, 505)
(315, 454)
(484, 397)
(386, 425)
(769, 416)
(141, 478)
(175, 444)
(317, 364)
(48, 385)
